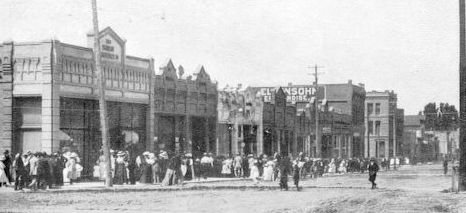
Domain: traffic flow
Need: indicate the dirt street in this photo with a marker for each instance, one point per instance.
(411, 189)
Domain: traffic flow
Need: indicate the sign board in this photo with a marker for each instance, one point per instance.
(293, 94)
(111, 50)
(327, 130)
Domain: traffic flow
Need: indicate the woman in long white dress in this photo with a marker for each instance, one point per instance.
(226, 167)
(255, 171)
(331, 166)
(342, 168)
(268, 170)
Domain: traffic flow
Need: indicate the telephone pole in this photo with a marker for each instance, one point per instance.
(462, 78)
(318, 136)
(102, 104)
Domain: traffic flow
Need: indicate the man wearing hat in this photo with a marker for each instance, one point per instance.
(373, 169)
(7, 162)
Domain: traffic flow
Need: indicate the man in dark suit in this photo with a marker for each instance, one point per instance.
(373, 169)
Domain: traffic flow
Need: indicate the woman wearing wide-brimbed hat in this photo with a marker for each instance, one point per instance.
(120, 169)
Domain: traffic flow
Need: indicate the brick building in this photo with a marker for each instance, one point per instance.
(382, 121)
(49, 100)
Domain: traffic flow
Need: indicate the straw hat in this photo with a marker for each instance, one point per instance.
(120, 153)
(146, 153)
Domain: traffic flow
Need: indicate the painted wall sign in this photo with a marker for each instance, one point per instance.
(110, 48)
(293, 94)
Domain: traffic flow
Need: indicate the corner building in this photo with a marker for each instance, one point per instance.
(49, 100)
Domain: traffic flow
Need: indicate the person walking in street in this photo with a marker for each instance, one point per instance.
(373, 168)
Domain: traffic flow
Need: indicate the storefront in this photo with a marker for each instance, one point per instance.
(49, 101)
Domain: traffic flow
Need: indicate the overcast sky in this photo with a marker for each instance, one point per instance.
(409, 46)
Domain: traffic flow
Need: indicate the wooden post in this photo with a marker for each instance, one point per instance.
(102, 104)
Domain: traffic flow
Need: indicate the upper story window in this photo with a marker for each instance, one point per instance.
(377, 108)
(370, 108)
(377, 127)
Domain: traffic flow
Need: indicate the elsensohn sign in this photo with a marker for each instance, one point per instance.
(293, 94)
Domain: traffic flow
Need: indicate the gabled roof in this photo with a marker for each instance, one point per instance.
(168, 69)
(201, 75)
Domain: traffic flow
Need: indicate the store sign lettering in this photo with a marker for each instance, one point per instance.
(293, 94)
(109, 51)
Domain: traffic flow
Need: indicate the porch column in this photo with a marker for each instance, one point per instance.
(206, 134)
(187, 144)
(279, 139)
(260, 138)
(150, 118)
(350, 146)
(234, 138)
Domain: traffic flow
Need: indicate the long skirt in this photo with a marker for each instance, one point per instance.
(189, 173)
(169, 178)
(156, 173)
(120, 174)
(146, 174)
(268, 173)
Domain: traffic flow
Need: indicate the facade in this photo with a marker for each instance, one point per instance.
(348, 99)
(413, 131)
(382, 118)
(240, 128)
(49, 100)
(341, 118)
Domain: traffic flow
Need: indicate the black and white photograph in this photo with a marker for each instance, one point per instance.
(219, 106)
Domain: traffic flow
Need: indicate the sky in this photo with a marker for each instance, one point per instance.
(408, 46)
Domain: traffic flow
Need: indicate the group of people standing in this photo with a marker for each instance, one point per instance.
(38, 170)
(165, 168)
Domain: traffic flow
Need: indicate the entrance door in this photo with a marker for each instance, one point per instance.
(198, 136)
(167, 132)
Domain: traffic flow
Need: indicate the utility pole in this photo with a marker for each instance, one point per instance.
(462, 78)
(368, 134)
(102, 104)
(318, 137)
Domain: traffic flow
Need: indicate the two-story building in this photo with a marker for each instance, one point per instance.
(49, 100)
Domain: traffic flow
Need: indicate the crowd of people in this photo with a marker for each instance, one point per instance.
(40, 170)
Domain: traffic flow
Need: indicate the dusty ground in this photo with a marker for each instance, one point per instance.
(411, 189)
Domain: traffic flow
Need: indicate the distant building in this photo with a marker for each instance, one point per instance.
(341, 117)
(382, 117)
